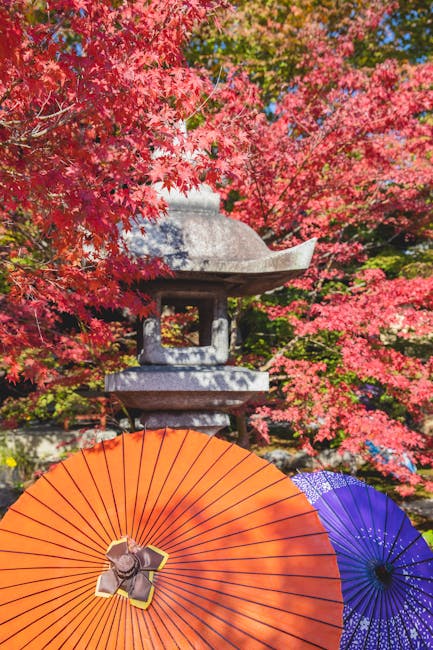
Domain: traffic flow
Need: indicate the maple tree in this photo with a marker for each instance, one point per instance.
(89, 90)
(269, 39)
(343, 155)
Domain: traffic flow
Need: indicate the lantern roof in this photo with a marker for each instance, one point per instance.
(198, 243)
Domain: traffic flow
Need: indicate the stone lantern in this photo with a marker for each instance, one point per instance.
(211, 257)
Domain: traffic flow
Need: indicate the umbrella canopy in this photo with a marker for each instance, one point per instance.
(231, 551)
(386, 566)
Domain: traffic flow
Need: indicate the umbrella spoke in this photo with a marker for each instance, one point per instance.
(341, 526)
(177, 490)
(56, 530)
(59, 557)
(82, 595)
(94, 511)
(254, 602)
(260, 588)
(148, 532)
(167, 614)
(101, 498)
(181, 606)
(55, 587)
(149, 487)
(247, 544)
(236, 532)
(233, 611)
(56, 513)
(43, 541)
(200, 498)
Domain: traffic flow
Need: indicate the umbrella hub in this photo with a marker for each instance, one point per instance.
(383, 573)
(127, 565)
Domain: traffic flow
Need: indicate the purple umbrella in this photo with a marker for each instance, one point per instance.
(385, 565)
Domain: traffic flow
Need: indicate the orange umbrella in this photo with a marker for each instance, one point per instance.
(232, 553)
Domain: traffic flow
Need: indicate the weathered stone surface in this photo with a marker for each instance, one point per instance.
(8, 496)
(186, 388)
(214, 330)
(287, 462)
(329, 459)
(209, 423)
(421, 507)
(199, 243)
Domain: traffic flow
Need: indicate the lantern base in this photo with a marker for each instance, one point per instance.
(182, 389)
(206, 422)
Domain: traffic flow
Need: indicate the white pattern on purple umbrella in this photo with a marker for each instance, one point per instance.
(385, 565)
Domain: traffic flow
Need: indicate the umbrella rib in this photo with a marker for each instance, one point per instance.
(103, 620)
(47, 645)
(141, 613)
(400, 588)
(370, 619)
(47, 541)
(251, 618)
(150, 614)
(396, 606)
(331, 521)
(62, 577)
(254, 602)
(240, 584)
(56, 608)
(211, 503)
(408, 546)
(385, 527)
(188, 492)
(163, 624)
(430, 611)
(346, 618)
(168, 594)
(140, 465)
(168, 613)
(405, 629)
(22, 514)
(108, 538)
(164, 541)
(245, 544)
(247, 530)
(62, 496)
(369, 491)
(130, 624)
(33, 553)
(363, 486)
(32, 568)
(137, 625)
(119, 619)
(125, 512)
(171, 612)
(91, 607)
(397, 536)
(146, 533)
(262, 557)
(112, 489)
(57, 513)
(270, 575)
(423, 561)
(114, 605)
(422, 621)
(337, 528)
(155, 465)
(46, 589)
(176, 489)
(99, 492)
